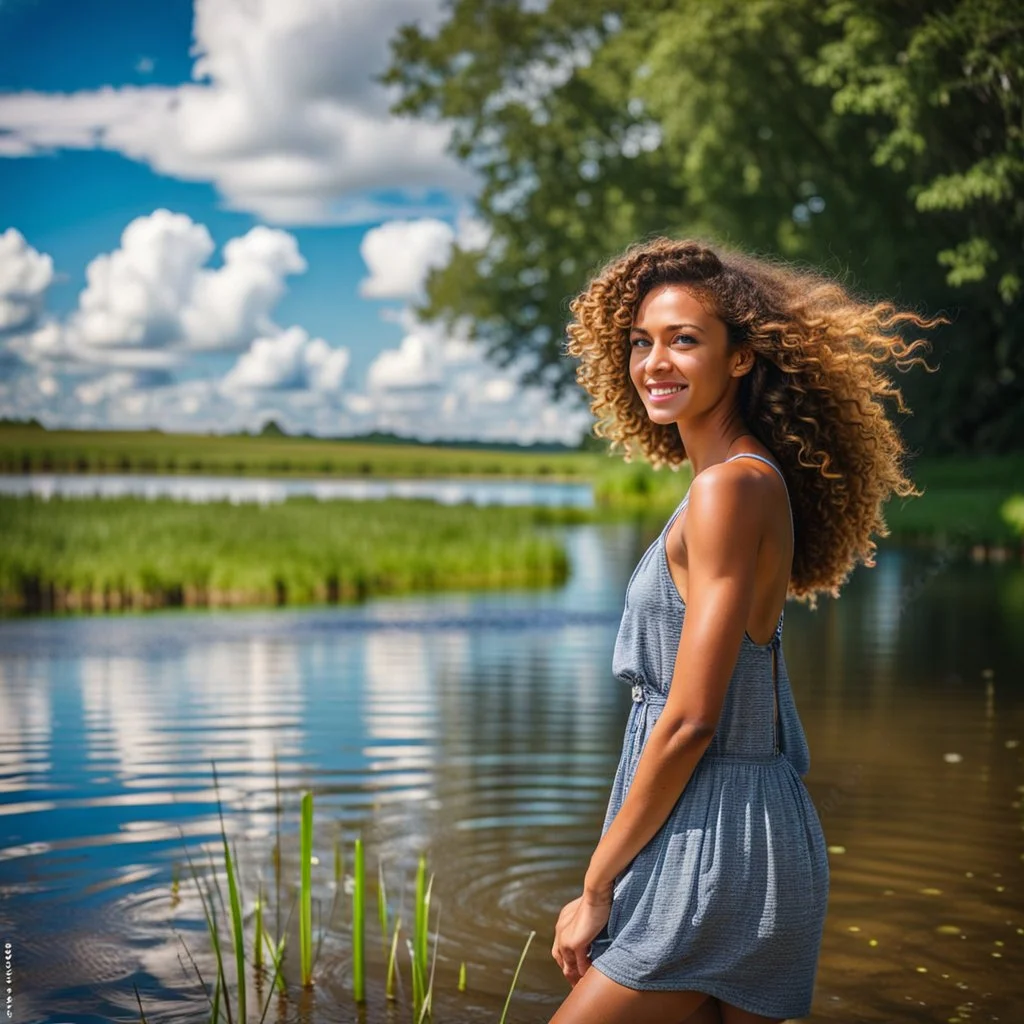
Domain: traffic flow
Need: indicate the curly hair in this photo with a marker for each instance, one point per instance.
(815, 396)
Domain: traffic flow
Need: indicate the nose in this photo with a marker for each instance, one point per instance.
(657, 357)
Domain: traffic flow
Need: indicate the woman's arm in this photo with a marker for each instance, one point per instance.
(722, 531)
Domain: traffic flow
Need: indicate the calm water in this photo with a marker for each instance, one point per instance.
(268, 490)
(485, 730)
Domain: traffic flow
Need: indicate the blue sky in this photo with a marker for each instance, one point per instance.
(209, 217)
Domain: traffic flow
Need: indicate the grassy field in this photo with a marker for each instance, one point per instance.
(132, 553)
(967, 499)
(28, 450)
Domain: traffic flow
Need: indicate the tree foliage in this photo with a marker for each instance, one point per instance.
(881, 142)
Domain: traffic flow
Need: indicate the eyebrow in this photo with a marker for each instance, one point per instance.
(669, 327)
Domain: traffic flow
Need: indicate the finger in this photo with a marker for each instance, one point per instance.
(567, 964)
(580, 961)
(571, 974)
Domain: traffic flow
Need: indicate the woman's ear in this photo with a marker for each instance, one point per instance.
(743, 361)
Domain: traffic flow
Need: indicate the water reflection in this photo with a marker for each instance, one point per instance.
(485, 730)
(267, 490)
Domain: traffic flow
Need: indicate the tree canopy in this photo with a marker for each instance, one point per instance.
(880, 142)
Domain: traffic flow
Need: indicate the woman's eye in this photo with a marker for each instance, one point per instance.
(685, 339)
(638, 341)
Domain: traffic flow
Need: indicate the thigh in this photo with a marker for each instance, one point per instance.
(597, 999)
(734, 1015)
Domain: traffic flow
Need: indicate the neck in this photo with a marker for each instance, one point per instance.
(710, 443)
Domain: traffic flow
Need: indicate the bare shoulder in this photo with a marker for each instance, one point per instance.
(727, 506)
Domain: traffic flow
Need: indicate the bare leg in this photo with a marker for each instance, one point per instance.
(734, 1015)
(597, 999)
(708, 1013)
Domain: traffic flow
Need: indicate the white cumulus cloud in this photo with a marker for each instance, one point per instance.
(284, 114)
(25, 275)
(290, 361)
(400, 253)
(151, 302)
(153, 290)
(134, 296)
(153, 305)
(441, 386)
(418, 362)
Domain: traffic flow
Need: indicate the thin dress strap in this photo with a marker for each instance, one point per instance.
(741, 455)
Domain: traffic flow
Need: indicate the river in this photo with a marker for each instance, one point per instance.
(484, 729)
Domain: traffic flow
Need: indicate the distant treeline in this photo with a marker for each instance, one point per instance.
(272, 429)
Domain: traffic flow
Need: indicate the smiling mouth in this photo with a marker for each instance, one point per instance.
(665, 390)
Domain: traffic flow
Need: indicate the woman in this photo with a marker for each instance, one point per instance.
(706, 896)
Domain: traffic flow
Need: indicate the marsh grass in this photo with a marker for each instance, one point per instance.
(98, 554)
(226, 928)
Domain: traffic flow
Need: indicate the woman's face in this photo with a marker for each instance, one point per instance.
(680, 359)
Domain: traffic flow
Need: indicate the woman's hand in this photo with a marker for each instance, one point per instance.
(578, 925)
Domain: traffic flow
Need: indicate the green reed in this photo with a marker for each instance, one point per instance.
(257, 946)
(359, 925)
(515, 977)
(382, 905)
(421, 907)
(428, 1000)
(392, 973)
(237, 924)
(225, 926)
(130, 552)
(306, 890)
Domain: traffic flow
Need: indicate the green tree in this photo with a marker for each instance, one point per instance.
(879, 141)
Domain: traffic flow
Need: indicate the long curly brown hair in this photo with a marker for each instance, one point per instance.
(815, 396)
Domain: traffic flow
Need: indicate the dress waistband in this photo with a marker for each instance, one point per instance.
(776, 758)
(644, 697)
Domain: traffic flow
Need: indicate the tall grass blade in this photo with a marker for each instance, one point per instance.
(210, 913)
(428, 1002)
(277, 959)
(236, 905)
(419, 938)
(257, 950)
(237, 927)
(278, 808)
(306, 891)
(515, 977)
(389, 985)
(216, 1000)
(277, 979)
(382, 905)
(199, 974)
(138, 999)
(418, 983)
(359, 926)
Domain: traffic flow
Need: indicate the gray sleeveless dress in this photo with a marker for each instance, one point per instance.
(729, 897)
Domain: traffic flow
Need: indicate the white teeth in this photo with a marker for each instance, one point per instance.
(657, 392)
